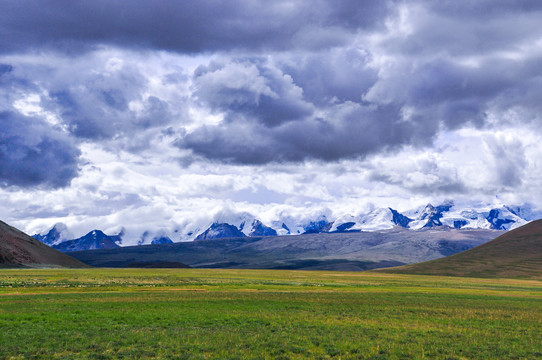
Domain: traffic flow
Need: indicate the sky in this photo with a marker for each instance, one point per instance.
(158, 115)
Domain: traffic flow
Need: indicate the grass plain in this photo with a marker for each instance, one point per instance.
(264, 314)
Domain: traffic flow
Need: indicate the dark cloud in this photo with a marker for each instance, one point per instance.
(32, 153)
(94, 99)
(292, 81)
(267, 118)
(185, 26)
(94, 104)
(462, 28)
(437, 72)
(336, 75)
(95, 114)
(456, 63)
(251, 89)
(350, 131)
(482, 9)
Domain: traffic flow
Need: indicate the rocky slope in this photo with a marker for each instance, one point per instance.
(20, 250)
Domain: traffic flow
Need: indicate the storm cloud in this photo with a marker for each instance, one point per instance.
(351, 131)
(313, 80)
(32, 153)
(252, 90)
(188, 27)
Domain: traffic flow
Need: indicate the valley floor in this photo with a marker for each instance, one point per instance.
(264, 314)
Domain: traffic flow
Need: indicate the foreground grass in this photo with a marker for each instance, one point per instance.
(257, 314)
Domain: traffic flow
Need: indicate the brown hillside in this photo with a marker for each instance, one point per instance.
(20, 250)
(517, 253)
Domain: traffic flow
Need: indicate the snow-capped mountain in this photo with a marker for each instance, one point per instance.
(322, 224)
(501, 218)
(240, 224)
(259, 229)
(242, 221)
(219, 231)
(445, 214)
(57, 234)
(497, 218)
(250, 225)
(429, 216)
(95, 239)
(379, 219)
(161, 240)
(149, 238)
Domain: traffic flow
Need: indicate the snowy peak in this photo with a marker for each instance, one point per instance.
(229, 223)
(523, 212)
(240, 220)
(286, 229)
(428, 212)
(504, 219)
(379, 219)
(95, 239)
(430, 216)
(446, 214)
(58, 233)
(161, 240)
(259, 229)
(399, 219)
(238, 225)
(317, 226)
(160, 237)
(219, 231)
(498, 218)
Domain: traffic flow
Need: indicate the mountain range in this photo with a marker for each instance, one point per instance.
(310, 251)
(247, 225)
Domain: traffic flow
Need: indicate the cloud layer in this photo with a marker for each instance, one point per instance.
(192, 27)
(266, 104)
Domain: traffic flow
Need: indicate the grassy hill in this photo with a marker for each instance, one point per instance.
(517, 253)
(17, 249)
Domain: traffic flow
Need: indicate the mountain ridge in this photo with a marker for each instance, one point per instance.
(241, 224)
(324, 251)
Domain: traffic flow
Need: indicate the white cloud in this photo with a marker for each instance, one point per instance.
(123, 190)
(422, 102)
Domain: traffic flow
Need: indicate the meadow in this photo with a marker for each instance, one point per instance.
(264, 314)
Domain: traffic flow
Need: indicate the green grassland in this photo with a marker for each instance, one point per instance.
(264, 314)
